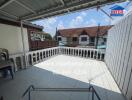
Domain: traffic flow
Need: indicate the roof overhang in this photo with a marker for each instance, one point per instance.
(30, 10)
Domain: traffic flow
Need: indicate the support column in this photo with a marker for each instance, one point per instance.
(24, 52)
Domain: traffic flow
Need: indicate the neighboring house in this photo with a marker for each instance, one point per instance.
(40, 40)
(11, 37)
(86, 36)
(33, 36)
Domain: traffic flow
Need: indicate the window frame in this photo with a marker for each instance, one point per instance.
(74, 39)
(84, 39)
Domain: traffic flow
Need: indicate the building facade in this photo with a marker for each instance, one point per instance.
(87, 36)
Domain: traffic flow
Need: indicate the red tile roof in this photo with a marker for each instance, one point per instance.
(91, 31)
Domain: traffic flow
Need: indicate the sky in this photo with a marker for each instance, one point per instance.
(84, 18)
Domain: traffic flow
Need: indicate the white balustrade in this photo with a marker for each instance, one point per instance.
(83, 52)
(35, 57)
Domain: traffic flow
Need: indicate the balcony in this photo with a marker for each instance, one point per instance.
(61, 67)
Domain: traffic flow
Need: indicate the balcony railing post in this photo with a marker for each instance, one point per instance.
(90, 54)
(86, 53)
(73, 52)
(39, 56)
(36, 58)
(81, 53)
(93, 53)
(78, 52)
(100, 55)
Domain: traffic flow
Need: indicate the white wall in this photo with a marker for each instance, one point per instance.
(100, 40)
(119, 54)
(83, 42)
(63, 40)
(11, 39)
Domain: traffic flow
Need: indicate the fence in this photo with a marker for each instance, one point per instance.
(36, 45)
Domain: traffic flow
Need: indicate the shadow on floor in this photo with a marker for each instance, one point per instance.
(13, 89)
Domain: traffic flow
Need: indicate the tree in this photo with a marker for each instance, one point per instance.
(48, 36)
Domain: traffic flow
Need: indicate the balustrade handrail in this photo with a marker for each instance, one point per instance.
(33, 88)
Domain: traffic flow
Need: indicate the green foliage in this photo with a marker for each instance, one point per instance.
(48, 36)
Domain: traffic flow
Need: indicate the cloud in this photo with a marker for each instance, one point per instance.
(83, 13)
(91, 22)
(106, 19)
(60, 25)
(52, 20)
(76, 22)
(47, 23)
(79, 19)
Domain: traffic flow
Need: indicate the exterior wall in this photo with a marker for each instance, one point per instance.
(72, 43)
(63, 40)
(11, 39)
(69, 40)
(83, 42)
(100, 41)
(119, 55)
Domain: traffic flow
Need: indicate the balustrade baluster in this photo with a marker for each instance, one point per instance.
(90, 53)
(39, 56)
(100, 55)
(97, 54)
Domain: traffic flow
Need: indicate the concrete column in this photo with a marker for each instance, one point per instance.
(24, 52)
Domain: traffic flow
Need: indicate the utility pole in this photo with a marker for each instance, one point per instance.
(97, 35)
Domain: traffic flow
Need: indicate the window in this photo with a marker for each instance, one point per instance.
(83, 38)
(59, 38)
(74, 39)
(105, 39)
(92, 39)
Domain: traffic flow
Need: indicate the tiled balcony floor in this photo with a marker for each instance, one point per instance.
(62, 72)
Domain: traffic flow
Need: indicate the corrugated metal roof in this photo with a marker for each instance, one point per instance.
(36, 9)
